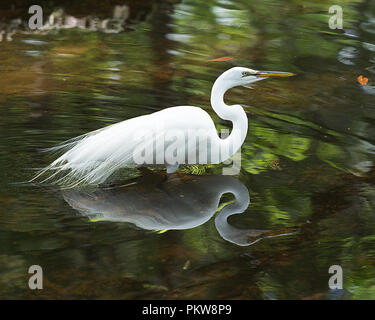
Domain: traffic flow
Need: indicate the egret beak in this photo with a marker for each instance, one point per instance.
(273, 74)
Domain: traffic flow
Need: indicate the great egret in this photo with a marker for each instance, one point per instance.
(173, 136)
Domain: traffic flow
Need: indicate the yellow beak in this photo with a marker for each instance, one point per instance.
(274, 74)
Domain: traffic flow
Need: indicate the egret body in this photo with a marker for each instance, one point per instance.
(157, 138)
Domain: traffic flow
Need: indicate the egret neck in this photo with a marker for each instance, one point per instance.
(234, 113)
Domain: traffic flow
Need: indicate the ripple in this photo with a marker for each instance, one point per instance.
(368, 46)
(34, 42)
(178, 37)
(347, 54)
(33, 53)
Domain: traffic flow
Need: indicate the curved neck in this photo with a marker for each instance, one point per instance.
(241, 237)
(234, 113)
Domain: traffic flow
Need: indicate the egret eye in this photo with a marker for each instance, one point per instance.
(246, 74)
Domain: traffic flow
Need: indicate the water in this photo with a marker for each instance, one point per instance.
(307, 162)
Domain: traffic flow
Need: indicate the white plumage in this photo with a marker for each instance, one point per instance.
(163, 137)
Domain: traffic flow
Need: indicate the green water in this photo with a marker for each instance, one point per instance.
(307, 162)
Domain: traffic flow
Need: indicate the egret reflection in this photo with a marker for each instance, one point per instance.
(179, 203)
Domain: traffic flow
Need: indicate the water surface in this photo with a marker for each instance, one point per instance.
(307, 161)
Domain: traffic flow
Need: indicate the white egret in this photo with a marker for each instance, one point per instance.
(163, 137)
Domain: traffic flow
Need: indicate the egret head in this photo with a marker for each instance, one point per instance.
(239, 76)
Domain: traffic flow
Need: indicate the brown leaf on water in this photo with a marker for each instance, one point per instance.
(362, 80)
(221, 59)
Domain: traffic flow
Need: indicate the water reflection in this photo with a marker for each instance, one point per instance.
(179, 203)
(307, 161)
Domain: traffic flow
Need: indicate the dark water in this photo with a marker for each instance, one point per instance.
(307, 163)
